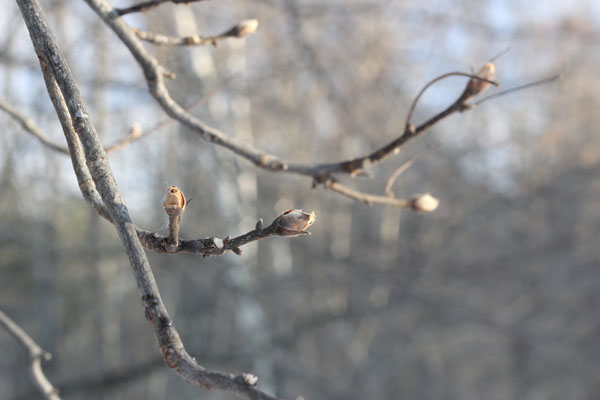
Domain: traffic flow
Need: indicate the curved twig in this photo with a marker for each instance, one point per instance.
(518, 88)
(35, 353)
(388, 186)
(147, 5)
(29, 126)
(434, 81)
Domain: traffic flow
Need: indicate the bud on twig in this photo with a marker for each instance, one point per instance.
(174, 198)
(425, 203)
(294, 223)
(476, 86)
(245, 28)
(174, 204)
(135, 131)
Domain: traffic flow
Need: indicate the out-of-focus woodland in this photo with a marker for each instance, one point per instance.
(493, 296)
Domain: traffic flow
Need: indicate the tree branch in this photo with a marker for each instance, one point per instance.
(242, 29)
(35, 353)
(210, 246)
(213, 246)
(29, 126)
(321, 173)
(58, 74)
(147, 5)
(518, 88)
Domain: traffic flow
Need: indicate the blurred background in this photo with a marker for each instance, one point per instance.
(493, 296)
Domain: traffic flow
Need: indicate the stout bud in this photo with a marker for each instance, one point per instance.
(294, 222)
(245, 28)
(174, 198)
(425, 203)
(476, 86)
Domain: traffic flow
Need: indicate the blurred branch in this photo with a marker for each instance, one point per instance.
(321, 173)
(392, 179)
(242, 29)
(29, 126)
(135, 132)
(518, 88)
(35, 353)
(147, 5)
(75, 119)
(424, 203)
(436, 80)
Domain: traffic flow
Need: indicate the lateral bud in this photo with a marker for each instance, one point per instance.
(476, 86)
(259, 225)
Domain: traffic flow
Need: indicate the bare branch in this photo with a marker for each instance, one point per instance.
(153, 241)
(434, 81)
(57, 74)
(213, 246)
(499, 54)
(134, 133)
(320, 172)
(29, 126)
(147, 5)
(242, 29)
(518, 88)
(424, 203)
(401, 170)
(35, 353)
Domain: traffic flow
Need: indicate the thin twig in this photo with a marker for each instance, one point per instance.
(423, 203)
(35, 354)
(518, 88)
(499, 54)
(134, 134)
(164, 40)
(402, 169)
(147, 5)
(29, 126)
(196, 40)
(154, 74)
(366, 198)
(435, 80)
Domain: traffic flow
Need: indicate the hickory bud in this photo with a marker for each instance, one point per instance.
(476, 86)
(174, 198)
(245, 28)
(294, 223)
